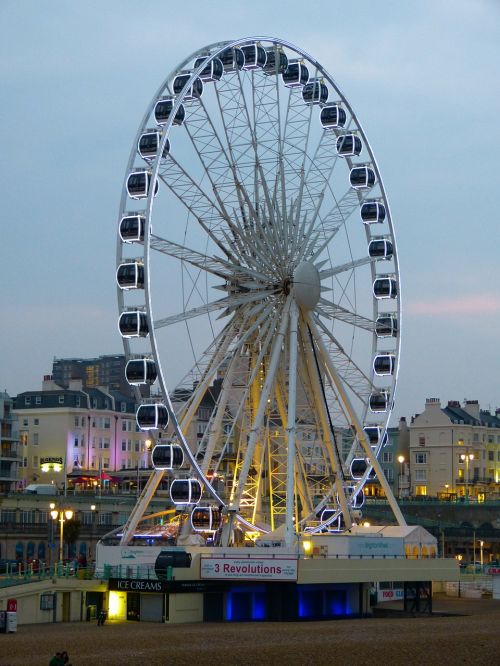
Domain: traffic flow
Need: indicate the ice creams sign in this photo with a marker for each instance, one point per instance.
(262, 568)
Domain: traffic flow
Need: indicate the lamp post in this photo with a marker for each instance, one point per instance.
(93, 510)
(466, 457)
(62, 515)
(401, 461)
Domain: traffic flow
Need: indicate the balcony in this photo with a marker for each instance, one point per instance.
(9, 453)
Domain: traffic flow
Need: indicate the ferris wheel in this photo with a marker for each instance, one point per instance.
(258, 293)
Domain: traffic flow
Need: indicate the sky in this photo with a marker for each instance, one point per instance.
(422, 76)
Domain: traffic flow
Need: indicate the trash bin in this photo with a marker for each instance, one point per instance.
(11, 623)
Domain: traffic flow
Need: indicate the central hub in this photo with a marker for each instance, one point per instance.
(306, 285)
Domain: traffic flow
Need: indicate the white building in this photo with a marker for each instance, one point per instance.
(455, 450)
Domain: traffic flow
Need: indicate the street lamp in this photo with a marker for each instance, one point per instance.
(62, 515)
(401, 461)
(465, 457)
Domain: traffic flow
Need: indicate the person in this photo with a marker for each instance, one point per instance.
(65, 658)
(56, 660)
(101, 619)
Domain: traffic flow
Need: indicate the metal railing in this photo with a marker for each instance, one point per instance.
(18, 574)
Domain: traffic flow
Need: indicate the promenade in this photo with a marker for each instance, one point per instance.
(469, 635)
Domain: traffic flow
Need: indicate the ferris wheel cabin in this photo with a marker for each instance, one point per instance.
(275, 65)
(141, 371)
(148, 143)
(384, 364)
(386, 326)
(167, 456)
(213, 70)
(332, 117)
(372, 212)
(379, 402)
(133, 324)
(206, 519)
(315, 92)
(362, 178)
(130, 275)
(163, 109)
(193, 92)
(380, 248)
(152, 416)
(185, 491)
(254, 57)
(349, 145)
(296, 74)
(385, 287)
(132, 228)
(232, 59)
(138, 184)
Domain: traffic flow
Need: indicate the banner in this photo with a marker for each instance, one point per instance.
(253, 568)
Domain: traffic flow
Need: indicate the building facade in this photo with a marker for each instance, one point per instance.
(77, 432)
(10, 458)
(455, 451)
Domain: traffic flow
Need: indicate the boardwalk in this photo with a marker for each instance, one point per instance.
(469, 638)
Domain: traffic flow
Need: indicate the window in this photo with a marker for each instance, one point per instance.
(490, 439)
(420, 491)
(83, 421)
(421, 440)
(28, 516)
(124, 426)
(25, 461)
(389, 474)
(475, 437)
(137, 446)
(387, 457)
(38, 400)
(36, 421)
(25, 423)
(124, 444)
(23, 438)
(420, 475)
(76, 441)
(491, 455)
(35, 461)
(27, 400)
(421, 458)
(498, 456)
(123, 406)
(77, 401)
(77, 421)
(94, 405)
(35, 439)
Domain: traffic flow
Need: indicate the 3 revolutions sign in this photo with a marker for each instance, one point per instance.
(261, 568)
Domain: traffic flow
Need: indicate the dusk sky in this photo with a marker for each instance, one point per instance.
(422, 77)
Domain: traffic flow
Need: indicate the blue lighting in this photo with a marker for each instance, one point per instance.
(324, 601)
(246, 603)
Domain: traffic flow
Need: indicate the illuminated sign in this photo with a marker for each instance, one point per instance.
(253, 568)
(51, 461)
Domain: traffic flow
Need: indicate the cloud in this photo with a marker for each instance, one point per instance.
(479, 304)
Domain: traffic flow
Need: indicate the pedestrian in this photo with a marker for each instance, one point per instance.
(101, 619)
(65, 658)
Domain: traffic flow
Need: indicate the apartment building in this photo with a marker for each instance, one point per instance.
(10, 459)
(455, 451)
(75, 431)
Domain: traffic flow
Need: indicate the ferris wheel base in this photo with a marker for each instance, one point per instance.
(363, 554)
(321, 577)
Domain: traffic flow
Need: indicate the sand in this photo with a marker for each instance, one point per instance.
(470, 637)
